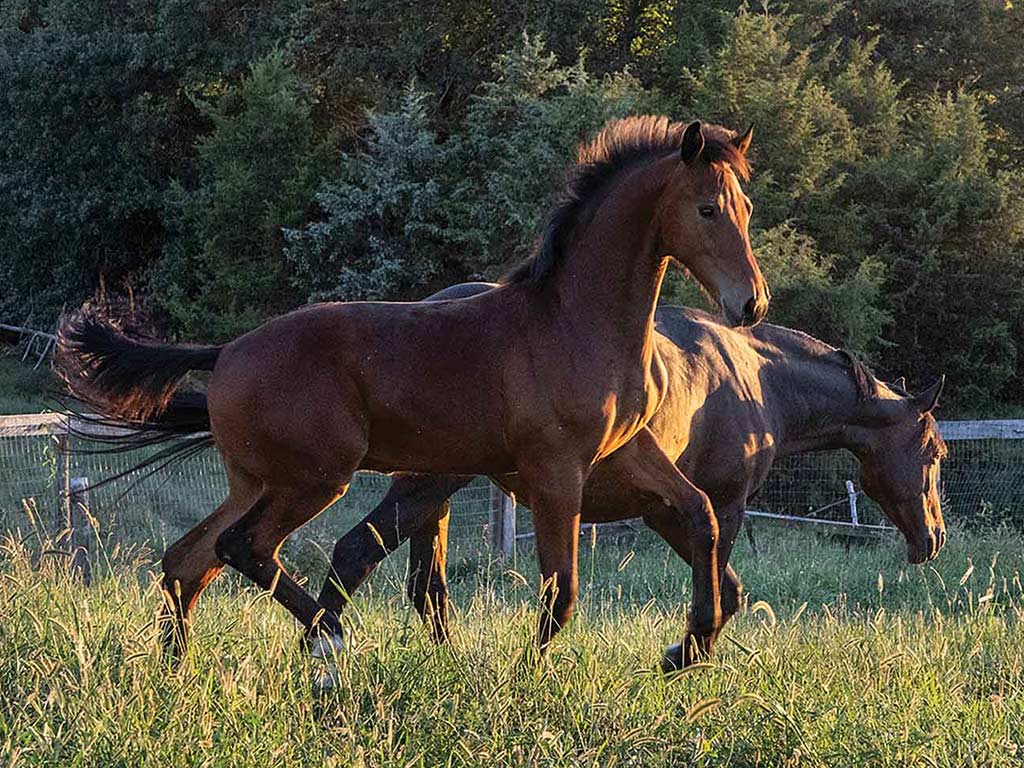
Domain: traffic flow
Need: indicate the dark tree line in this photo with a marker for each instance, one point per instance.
(226, 161)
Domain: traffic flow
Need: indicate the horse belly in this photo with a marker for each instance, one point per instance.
(454, 437)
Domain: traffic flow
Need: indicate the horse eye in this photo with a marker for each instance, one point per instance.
(707, 211)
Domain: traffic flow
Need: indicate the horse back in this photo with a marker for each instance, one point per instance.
(420, 378)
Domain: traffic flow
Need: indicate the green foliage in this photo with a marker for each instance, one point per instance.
(949, 232)
(223, 270)
(385, 230)
(410, 207)
(809, 292)
(77, 199)
(24, 388)
(168, 146)
(520, 131)
(92, 127)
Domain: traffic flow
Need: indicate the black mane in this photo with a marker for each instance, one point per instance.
(621, 145)
(867, 384)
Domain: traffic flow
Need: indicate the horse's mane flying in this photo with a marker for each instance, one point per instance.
(622, 144)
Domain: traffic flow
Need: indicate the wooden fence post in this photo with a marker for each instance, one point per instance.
(502, 525)
(81, 529)
(62, 485)
(72, 502)
(508, 526)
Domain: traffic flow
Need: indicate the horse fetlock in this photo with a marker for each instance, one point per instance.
(697, 648)
(705, 620)
(326, 645)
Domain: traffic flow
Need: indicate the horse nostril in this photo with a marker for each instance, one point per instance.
(750, 311)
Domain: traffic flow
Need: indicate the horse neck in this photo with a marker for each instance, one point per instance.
(613, 272)
(814, 399)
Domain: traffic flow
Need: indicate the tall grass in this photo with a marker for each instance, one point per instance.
(843, 658)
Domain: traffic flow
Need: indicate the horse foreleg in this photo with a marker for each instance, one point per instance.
(427, 585)
(672, 530)
(652, 472)
(412, 502)
(555, 494)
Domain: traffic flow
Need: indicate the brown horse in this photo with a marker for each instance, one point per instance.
(736, 400)
(545, 375)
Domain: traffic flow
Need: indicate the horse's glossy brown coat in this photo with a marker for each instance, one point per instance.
(543, 376)
(736, 400)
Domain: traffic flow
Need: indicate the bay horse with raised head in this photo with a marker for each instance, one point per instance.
(543, 376)
(736, 401)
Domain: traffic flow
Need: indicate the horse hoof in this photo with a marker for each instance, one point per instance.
(328, 679)
(672, 660)
(326, 647)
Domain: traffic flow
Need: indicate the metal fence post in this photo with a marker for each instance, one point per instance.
(851, 494)
(502, 525)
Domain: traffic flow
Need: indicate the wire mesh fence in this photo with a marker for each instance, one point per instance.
(160, 507)
(982, 481)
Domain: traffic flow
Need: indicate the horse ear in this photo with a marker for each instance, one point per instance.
(927, 400)
(693, 142)
(742, 143)
(900, 382)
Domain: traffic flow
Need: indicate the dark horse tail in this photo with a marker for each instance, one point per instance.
(123, 389)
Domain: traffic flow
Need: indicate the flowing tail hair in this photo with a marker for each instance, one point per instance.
(122, 391)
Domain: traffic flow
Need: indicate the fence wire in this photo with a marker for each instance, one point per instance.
(982, 481)
(159, 508)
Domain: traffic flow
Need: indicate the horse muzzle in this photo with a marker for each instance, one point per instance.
(752, 311)
(926, 546)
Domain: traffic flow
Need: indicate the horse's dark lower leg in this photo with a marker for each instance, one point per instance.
(411, 502)
(673, 530)
(555, 494)
(251, 547)
(644, 462)
(427, 585)
(189, 565)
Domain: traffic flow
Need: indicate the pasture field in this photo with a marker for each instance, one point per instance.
(844, 657)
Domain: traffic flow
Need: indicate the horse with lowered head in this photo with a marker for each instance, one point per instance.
(737, 399)
(545, 375)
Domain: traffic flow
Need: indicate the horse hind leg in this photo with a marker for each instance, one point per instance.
(411, 502)
(189, 566)
(252, 544)
(427, 584)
